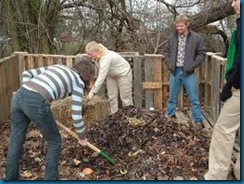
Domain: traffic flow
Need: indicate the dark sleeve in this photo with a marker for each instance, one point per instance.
(200, 52)
(166, 51)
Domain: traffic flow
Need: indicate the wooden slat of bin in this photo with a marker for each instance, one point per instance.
(9, 73)
(215, 90)
(199, 82)
(149, 77)
(165, 87)
(50, 60)
(208, 77)
(29, 62)
(137, 80)
(40, 61)
(152, 85)
(3, 94)
(157, 77)
(69, 62)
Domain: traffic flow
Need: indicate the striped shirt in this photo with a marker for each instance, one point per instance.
(57, 82)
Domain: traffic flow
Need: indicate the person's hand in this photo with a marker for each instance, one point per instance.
(226, 92)
(90, 95)
(83, 142)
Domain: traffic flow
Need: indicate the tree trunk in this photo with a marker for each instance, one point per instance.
(200, 20)
(10, 22)
(31, 24)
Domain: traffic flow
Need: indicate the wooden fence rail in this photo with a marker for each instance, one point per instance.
(9, 76)
(150, 79)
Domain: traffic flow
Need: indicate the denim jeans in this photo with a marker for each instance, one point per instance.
(175, 83)
(28, 106)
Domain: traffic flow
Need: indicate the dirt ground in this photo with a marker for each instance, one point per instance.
(143, 144)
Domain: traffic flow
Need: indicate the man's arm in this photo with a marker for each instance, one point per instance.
(200, 52)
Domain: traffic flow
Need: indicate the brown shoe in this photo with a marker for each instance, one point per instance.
(198, 126)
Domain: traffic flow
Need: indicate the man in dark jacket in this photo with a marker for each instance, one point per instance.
(184, 51)
(228, 122)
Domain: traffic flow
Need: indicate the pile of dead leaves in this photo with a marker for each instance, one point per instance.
(143, 144)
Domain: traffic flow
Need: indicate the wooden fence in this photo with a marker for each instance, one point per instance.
(9, 76)
(150, 79)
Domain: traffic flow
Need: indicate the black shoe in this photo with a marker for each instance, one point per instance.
(173, 117)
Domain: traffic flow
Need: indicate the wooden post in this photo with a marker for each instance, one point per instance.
(137, 81)
(69, 62)
(148, 67)
(207, 85)
(165, 85)
(157, 77)
(215, 90)
(40, 61)
(50, 60)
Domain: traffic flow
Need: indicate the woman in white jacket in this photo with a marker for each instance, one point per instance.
(115, 70)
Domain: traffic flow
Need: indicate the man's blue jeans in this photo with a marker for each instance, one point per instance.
(29, 106)
(175, 83)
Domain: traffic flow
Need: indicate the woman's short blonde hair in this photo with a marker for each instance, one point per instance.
(92, 46)
(95, 47)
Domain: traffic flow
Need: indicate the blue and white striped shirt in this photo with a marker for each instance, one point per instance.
(57, 82)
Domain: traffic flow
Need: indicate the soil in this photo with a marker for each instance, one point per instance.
(143, 144)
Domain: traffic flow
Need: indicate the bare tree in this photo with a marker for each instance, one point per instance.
(30, 24)
(123, 25)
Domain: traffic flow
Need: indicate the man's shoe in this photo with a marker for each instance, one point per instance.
(173, 117)
(198, 126)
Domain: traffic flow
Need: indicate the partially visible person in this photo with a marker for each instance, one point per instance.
(184, 52)
(31, 103)
(228, 123)
(113, 69)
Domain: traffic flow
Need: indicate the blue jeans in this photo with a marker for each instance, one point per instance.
(175, 82)
(28, 106)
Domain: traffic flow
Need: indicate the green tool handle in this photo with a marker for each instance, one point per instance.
(104, 155)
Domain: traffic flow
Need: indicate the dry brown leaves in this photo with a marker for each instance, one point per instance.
(143, 143)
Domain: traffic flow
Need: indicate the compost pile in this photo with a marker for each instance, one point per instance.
(143, 144)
